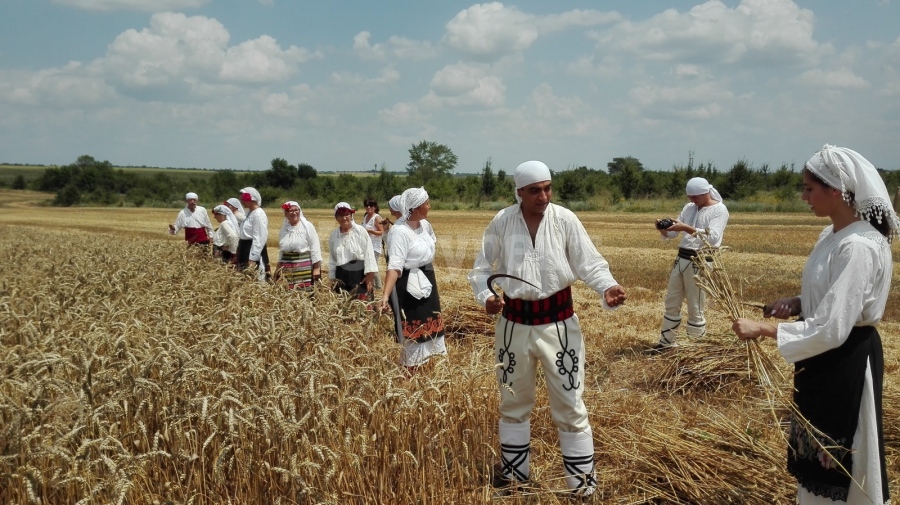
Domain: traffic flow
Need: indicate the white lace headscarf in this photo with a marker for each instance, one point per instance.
(411, 199)
(394, 203)
(700, 186)
(229, 216)
(858, 181)
(530, 172)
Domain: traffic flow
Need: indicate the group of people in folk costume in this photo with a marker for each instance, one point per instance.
(536, 250)
(410, 292)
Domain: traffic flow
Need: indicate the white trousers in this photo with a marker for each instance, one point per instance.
(559, 349)
(683, 287)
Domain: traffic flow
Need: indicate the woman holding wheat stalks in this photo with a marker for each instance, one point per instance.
(834, 344)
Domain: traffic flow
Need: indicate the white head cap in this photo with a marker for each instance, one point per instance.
(191, 196)
(530, 172)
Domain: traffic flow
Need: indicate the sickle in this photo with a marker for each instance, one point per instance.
(490, 282)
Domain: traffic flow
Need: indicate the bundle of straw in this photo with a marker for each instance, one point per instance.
(712, 277)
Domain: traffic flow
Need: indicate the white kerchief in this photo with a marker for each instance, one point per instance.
(858, 181)
(700, 186)
(289, 204)
(191, 196)
(411, 199)
(530, 172)
(394, 204)
(254, 194)
(229, 216)
(234, 202)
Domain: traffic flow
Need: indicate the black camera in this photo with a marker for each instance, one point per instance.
(664, 223)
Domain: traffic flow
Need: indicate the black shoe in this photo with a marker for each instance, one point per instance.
(504, 486)
(659, 348)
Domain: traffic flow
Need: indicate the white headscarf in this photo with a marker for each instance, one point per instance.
(394, 204)
(229, 216)
(530, 172)
(410, 199)
(234, 202)
(700, 186)
(289, 204)
(858, 181)
(254, 195)
(191, 196)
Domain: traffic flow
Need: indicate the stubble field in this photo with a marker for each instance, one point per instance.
(133, 370)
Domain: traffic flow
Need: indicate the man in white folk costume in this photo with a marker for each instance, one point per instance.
(547, 247)
(194, 220)
(704, 215)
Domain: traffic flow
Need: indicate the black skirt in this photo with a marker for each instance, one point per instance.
(350, 277)
(420, 319)
(828, 391)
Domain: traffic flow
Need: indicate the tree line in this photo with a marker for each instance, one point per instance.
(91, 182)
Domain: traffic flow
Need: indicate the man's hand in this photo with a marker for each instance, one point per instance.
(615, 296)
(493, 305)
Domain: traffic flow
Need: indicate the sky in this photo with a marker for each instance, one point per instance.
(353, 85)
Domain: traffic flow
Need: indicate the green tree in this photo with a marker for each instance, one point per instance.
(488, 183)
(626, 173)
(306, 171)
(430, 160)
(281, 175)
(740, 181)
(19, 182)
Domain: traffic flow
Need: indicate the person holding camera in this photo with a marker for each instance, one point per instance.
(704, 214)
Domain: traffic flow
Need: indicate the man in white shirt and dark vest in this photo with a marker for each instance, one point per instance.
(705, 214)
(546, 249)
(195, 221)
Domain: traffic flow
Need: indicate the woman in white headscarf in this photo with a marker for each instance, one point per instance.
(417, 308)
(834, 344)
(225, 240)
(300, 261)
(351, 260)
(253, 234)
(236, 209)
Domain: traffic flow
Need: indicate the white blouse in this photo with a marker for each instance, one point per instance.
(350, 246)
(845, 283)
(256, 227)
(712, 217)
(197, 219)
(411, 248)
(300, 238)
(561, 254)
(226, 237)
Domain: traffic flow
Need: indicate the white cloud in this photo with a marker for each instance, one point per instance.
(832, 78)
(133, 5)
(757, 32)
(177, 53)
(696, 101)
(398, 47)
(261, 60)
(402, 114)
(492, 30)
(462, 84)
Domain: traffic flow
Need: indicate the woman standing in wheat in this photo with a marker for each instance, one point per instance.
(417, 309)
(300, 261)
(834, 345)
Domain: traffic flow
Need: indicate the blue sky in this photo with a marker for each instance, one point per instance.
(348, 85)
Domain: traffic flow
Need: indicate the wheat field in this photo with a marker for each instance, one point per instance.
(135, 370)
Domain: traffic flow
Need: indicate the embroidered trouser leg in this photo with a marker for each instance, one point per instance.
(683, 287)
(578, 461)
(515, 450)
(559, 349)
